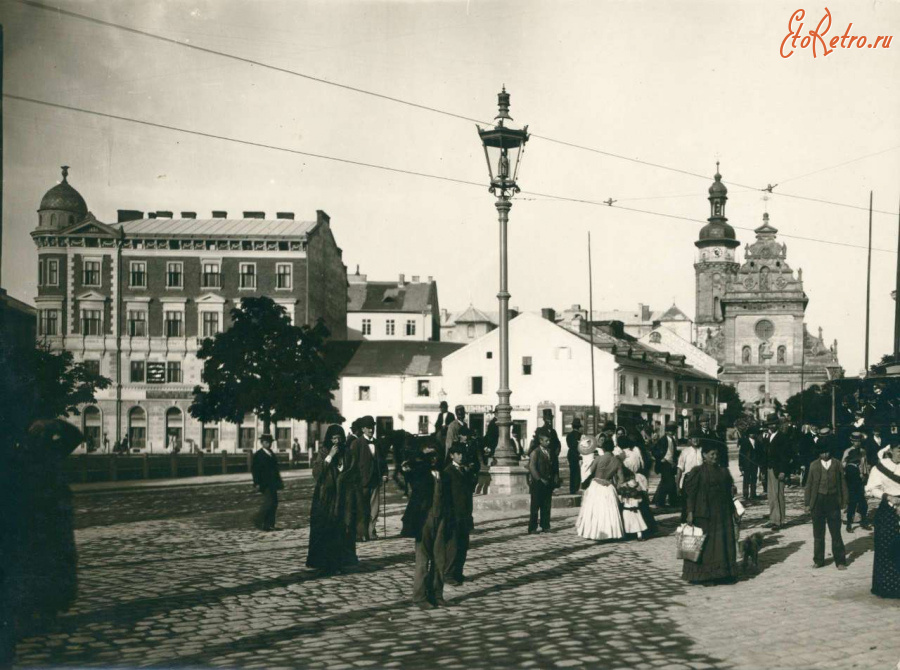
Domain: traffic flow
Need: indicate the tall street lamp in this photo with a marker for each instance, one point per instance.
(503, 149)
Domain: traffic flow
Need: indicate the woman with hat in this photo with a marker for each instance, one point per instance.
(709, 504)
(332, 516)
(599, 518)
(884, 483)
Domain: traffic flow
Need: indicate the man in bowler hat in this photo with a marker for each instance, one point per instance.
(824, 497)
(665, 452)
(574, 458)
(267, 478)
(373, 472)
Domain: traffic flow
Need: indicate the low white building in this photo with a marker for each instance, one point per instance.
(399, 384)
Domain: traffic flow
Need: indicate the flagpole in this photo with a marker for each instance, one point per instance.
(868, 283)
(591, 332)
(897, 304)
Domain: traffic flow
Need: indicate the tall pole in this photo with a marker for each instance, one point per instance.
(802, 368)
(868, 283)
(505, 453)
(897, 304)
(591, 331)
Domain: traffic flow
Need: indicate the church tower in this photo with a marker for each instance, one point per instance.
(715, 264)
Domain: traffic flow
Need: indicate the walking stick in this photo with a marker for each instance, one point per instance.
(384, 510)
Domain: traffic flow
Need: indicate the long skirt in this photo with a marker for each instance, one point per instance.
(599, 518)
(886, 569)
(718, 561)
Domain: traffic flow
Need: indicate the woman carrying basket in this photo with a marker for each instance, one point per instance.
(709, 497)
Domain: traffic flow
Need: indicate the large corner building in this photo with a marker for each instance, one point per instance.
(135, 299)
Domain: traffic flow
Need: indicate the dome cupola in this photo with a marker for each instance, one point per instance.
(61, 206)
(717, 231)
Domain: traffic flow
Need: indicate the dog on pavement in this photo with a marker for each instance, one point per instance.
(751, 546)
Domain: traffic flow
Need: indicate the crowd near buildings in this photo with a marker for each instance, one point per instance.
(134, 299)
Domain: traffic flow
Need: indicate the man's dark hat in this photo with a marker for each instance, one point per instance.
(625, 441)
(576, 422)
(543, 431)
(672, 426)
(547, 412)
(695, 434)
(707, 446)
(856, 435)
(458, 408)
(266, 436)
(366, 422)
(456, 448)
(443, 404)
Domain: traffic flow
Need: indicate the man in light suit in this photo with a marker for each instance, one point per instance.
(778, 458)
(824, 498)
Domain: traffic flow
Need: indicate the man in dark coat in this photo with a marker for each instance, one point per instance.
(778, 459)
(825, 495)
(443, 421)
(373, 472)
(423, 520)
(574, 458)
(807, 451)
(856, 470)
(541, 472)
(554, 447)
(665, 452)
(458, 520)
(267, 478)
(747, 449)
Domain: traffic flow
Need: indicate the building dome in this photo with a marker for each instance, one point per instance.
(63, 197)
(716, 231)
(718, 188)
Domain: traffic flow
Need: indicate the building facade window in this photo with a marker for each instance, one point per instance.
(173, 372)
(668, 393)
(246, 438)
(782, 355)
(649, 388)
(211, 276)
(745, 355)
(636, 386)
(52, 275)
(174, 275)
(174, 324)
(424, 388)
(48, 323)
(364, 393)
(470, 331)
(137, 428)
(90, 275)
(283, 438)
(92, 366)
(655, 337)
(526, 365)
(40, 273)
(367, 326)
(622, 382)
(659, 389)
(137, 276)
(210, 438)
(477, 385)
(389, 327)
(248, 276)
(137, 323)
(410, 328)
(283, 276)
(90, 321)
(696, 396)
(138, 372)
(707, 397)
(210, 324)
(423, 424)
(680, 393)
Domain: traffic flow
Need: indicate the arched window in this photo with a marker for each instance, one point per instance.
(716, 314)
(745, 355)
(782, 355)
(137, 428)
(174, 429)
(93, 425)
(655, 337)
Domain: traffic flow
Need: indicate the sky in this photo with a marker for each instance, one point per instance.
(681, 84)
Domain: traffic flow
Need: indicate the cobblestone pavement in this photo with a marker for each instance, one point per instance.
(181, 579)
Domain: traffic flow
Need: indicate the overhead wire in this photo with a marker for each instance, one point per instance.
(466, 182)
(253, 62)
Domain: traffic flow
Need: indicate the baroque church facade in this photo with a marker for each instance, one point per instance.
(750, 313)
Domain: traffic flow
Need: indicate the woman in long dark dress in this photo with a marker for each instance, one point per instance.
(709, 491)
(332, 516)
(884, 483)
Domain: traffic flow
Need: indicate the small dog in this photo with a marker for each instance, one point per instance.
(751, 546)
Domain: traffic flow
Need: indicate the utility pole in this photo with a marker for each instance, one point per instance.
(868, 283)
(591, 331)
(897, 304)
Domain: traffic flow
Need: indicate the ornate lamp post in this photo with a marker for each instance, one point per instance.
(503, 149)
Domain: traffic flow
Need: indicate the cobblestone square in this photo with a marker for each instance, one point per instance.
(178, 577)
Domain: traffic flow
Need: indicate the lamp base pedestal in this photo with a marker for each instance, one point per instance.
(506, 480)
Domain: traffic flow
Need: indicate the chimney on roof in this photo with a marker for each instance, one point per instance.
(430, 279)
(189, 215)
(163, 214)
(285, 215)
(444, 314)
(614, 328)
(415, 279)
(129, 215)
(549, 313)
(402, 280)
(254, 215)
(151, 215)
(219, 214)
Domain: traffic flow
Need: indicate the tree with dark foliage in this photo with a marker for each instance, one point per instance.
(266, 366)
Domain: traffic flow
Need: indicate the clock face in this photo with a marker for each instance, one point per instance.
(717, 252)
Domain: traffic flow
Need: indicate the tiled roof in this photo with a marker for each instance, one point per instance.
(385, 296)
(473, 315)
(673, 314)
(379, 358)
(261, 228)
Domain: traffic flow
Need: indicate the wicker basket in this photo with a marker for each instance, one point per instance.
(689, 541)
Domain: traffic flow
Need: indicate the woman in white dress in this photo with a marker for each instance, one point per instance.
(600, 518)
